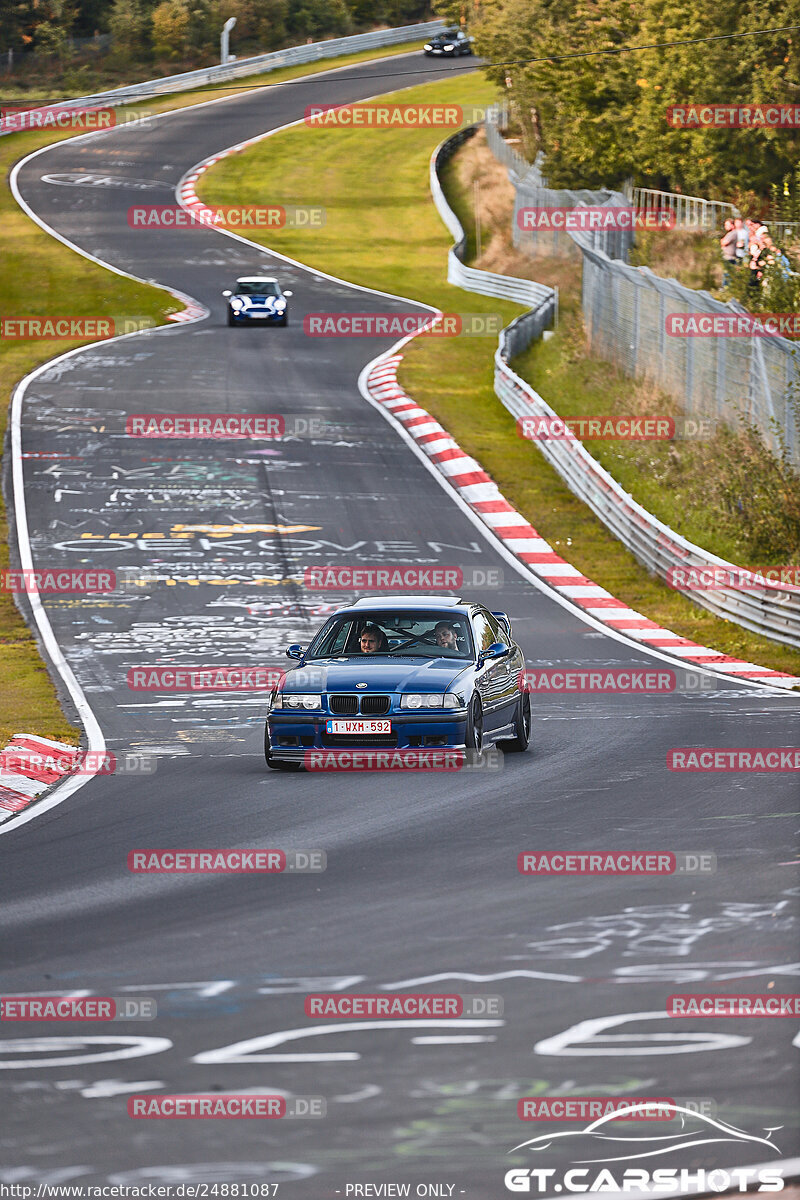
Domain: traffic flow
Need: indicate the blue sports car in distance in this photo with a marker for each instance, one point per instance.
(257, 298)
(413, 672)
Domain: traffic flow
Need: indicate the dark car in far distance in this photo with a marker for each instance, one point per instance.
(449, 42)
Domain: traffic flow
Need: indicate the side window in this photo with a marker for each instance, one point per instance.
(484, 635)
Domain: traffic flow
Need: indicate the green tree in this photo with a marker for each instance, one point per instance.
(129, 26)
(170, 21)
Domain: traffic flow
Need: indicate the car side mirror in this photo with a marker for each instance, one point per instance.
(227, 293)
(288, 293)
(496, 650)
(502, 619)
(295, 650)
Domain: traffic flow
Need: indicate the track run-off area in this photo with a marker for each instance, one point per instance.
(421, 890)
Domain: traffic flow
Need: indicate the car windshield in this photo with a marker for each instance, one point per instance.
(257, 287)
(394, 633)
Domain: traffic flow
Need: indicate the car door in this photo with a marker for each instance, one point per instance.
(492, 677)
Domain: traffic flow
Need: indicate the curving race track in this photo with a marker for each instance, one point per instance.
(421, 879)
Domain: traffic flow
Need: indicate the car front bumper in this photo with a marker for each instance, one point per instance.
(257, 316)
(292, 735)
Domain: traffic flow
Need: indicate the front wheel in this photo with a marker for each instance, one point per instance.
(230, 318)
(276, 764)
(522, 724)
(474, 731)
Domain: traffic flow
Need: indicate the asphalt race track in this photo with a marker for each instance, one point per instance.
(421, 890)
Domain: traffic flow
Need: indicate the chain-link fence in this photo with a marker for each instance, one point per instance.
(627, 313)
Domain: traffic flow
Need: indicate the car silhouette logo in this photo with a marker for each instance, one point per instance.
(361, 685)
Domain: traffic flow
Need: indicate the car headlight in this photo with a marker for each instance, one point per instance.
(427, 700)
(428, 46)
(297, 700)
(449, 48)
(237, 303)
(280, 304)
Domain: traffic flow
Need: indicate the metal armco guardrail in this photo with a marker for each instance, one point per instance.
(259, 64)
(773, 611)
(484, 283)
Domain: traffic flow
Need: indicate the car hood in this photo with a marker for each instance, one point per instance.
(383, 674)
(257, 301)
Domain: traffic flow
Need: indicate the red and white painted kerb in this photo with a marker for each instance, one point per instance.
(20, 786)
(484, 497)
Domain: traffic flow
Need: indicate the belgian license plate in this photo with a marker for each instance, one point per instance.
(356, 727)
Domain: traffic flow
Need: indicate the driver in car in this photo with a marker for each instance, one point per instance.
(372, 639)
(445, 636)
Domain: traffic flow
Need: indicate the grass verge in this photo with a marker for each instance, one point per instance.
(40, 277)
(391, 238)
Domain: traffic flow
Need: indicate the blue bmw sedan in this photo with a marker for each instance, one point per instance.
(423, 673)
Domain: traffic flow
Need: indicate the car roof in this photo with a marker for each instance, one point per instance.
(256, 279)
(406, 602)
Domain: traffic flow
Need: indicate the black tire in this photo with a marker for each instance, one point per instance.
(230, 318)
(522, 724)
(284, 320)
(276, 764)
(474, 731)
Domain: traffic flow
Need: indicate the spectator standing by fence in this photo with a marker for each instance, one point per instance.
(728, 244)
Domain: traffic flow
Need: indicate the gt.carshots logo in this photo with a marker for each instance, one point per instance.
(694, 1132)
